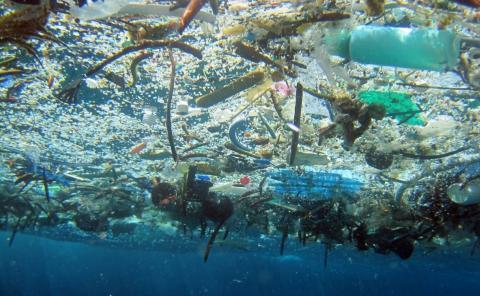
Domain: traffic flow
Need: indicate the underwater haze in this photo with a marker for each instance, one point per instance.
(239, 147)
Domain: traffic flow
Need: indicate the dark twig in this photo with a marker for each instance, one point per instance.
(69, 93)
(144, 44)
(134, 65)
(432, 86)
(22, 44)
(296, 122)
(252, 54)
(276, 106)
(193, 155)
(436, 156)
(193, 147)
(329, 97)
(212, 240)
(234, 148)
(261, 184)
(14, 232)
(45, 185)
(169, 107)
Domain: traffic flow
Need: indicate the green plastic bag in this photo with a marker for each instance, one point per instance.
(398, 105)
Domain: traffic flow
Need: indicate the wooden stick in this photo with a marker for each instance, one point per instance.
(144, 44)
(296, 121)
(133, 66)
(168, 122)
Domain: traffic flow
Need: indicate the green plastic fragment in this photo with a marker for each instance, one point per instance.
(474, 104)
(127, 43)
(54, 189)
(400, 105)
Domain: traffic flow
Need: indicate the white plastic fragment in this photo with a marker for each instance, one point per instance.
(228, 188)
(149, 115)
(91, 83)
(110, 8)
(182, 107)
(98, 9)
(161, 10)
(468, 195)
(293, 127)
(440, 126)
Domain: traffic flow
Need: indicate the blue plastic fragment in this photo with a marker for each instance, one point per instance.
(262, 162)
(472, 170)
(312, 184)
(7, 83)
(238, 125)
(34, 168)
(57, 178)
(250, 36)
(204, 178)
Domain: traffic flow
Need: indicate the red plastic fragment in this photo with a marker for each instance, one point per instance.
(245, 180)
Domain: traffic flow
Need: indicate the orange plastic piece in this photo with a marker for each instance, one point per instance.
(137, 148)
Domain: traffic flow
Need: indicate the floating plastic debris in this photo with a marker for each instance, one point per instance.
(240, 84)
(291, 126)
(465, 194)
(245, 180)
(103, 9)
(312, 184)
(149, 115)
(32, 154)
(424, 49)
(203, 178)
(232, 152)
(182, 108)
(137, 148)
(398, 105)
(282, 88)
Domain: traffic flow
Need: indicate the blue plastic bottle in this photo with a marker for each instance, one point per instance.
(423, 49)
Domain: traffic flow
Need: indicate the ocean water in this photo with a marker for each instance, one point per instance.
(130, 136)
(37, 266)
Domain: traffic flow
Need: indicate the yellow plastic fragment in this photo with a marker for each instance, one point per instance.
(257, 91)
(240, 84)
(10, 71)
(302, 28)
(234, 30)
(236, 7)
(267, 26)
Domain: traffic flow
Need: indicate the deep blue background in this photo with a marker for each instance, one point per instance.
(38, 266)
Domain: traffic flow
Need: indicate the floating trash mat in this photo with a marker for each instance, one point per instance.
(190, 119)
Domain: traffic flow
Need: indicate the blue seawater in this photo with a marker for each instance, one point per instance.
(39, 266)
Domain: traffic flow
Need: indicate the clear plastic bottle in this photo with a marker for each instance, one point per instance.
(424, 49)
